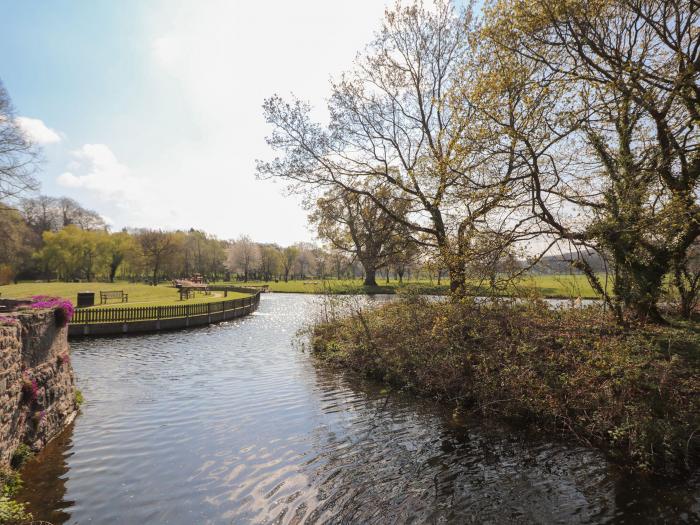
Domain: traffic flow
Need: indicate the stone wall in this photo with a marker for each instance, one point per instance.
(37, 388)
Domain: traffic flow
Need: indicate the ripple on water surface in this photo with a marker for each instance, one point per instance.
(233, 423)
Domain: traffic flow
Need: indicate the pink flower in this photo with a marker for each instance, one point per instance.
(30, 388)
(63, 308)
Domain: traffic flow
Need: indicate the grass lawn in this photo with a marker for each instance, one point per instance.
(561, 286)
(346, 286)
(564, 286)
(139, 294)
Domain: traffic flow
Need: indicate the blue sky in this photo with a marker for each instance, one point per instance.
(150, 111)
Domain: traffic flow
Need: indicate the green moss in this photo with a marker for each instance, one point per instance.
(79, 399)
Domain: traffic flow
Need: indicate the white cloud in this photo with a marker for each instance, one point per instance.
(37, 131)
(98, 171)
(188, 139)
(223, 61)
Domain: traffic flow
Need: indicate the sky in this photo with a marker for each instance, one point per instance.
(150, 112)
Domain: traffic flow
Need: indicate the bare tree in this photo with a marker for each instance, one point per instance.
(18, 156)
(304, 259)
(73, 213)
(243, 256)
(392, 124)
(45, 213)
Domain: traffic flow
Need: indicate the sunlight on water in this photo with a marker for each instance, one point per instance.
(234, 423)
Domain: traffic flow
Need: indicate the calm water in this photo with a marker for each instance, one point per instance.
(234, 424)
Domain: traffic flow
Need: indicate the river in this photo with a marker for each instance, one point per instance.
(235, 423)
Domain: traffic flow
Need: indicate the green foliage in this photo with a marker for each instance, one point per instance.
(21, 455)
(13, 512)
(16, 243)
(633, 393)
(73, 253)
(79, 399)
(10, 482)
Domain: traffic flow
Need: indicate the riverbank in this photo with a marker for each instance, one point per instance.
(634, 394)
(37, 390)
(281, 428)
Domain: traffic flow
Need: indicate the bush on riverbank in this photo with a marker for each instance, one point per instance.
(634, 393)
(11, 511)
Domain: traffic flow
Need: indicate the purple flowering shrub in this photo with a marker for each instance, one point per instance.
(63, 308)
(63, 358)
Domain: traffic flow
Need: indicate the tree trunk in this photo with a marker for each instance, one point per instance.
(370, 277)
(639, 288)
(457, 281)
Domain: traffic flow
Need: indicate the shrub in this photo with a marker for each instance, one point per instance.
(10, 482)
(79, 399)
(21, 455)
(632, 392)
(13, 512)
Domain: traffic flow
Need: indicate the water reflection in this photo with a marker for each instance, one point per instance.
(235, 424)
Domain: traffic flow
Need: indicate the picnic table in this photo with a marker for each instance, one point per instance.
(188, 291)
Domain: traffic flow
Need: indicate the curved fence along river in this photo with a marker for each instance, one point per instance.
(134, 319)
(233, 423)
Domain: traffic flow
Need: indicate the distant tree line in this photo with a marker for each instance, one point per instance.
(57, 239)
(52, 238)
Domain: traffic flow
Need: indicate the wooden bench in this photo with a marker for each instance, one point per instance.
(114, 294)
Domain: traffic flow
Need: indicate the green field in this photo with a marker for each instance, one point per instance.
(562, 286)
(139, 294)
(553, 286)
